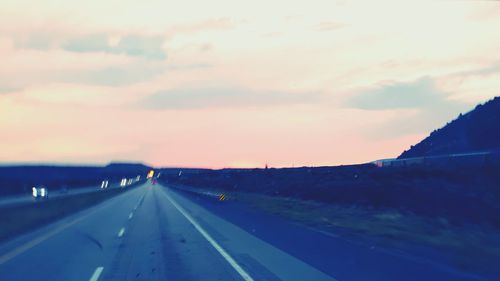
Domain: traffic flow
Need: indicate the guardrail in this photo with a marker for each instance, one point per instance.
(475, 159)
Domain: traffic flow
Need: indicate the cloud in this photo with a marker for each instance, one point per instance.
(493, 68)
(7, 90)
(113, 75)
(131, 45)
(419, 93)
(206, 47)
(40, 40)
(330, 25)
(174, 67)
(205, 25)
(273, 34)
(135, 45)
(30, 67)
(223, 97)
(417, 107)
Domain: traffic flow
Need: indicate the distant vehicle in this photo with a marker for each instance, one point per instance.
(154, 181)
(104, 184)
(40, 192)
(123, 183)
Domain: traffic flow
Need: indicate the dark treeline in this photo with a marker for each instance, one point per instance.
(20, 179)
(459, 194)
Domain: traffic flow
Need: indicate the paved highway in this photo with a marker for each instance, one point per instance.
(154, 233)
(147, 233)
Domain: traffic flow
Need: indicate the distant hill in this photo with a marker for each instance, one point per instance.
(475, 131)
(127, 167)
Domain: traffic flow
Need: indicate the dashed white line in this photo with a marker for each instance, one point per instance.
(139, 202)
(25, 247)
(130, 216)
(212, 242)
(120, 233)
(96, 274)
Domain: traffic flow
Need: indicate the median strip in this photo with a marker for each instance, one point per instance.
(19, 219)
(32, 243)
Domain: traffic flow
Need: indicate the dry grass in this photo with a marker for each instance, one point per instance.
(470, 248)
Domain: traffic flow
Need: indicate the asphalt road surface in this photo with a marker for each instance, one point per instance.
(153, 233)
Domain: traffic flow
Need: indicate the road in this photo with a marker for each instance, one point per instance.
(154, 233)
(28, 197)
(147, 233)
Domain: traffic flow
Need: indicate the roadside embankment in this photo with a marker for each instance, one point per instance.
(15, 220)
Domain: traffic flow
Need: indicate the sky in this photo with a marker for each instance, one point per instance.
(227, 83)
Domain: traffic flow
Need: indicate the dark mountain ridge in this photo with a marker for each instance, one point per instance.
(475, 131)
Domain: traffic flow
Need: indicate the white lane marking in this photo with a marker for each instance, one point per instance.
(212, 242)
(32, 243)
(139, 202)
(130, 216)
(96, 274)
(122, 230)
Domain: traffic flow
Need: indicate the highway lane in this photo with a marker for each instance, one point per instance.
(70, 248)
(148, 233)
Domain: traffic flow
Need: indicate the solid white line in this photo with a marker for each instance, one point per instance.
(6, 257)
(96, 274)
(32, 243)
(23, 248)
(212, 242)
(131, 215)
(122, 230)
